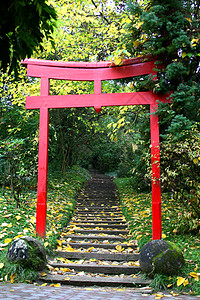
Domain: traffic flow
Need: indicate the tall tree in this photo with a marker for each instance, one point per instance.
(23, 26)
(170, 31)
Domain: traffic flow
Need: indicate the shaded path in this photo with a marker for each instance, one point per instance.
(94, 249)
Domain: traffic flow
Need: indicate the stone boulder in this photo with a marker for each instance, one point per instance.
(159, 256)
(27, 252)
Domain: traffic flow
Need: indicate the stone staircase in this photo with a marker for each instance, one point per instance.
(94, 248)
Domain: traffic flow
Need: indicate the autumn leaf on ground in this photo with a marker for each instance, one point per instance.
(1, 265)
(66, 270)
(158, 296)
(195, 275)
(12, 278)
(43, 274)
(7, 241)
(55, 284)
(67, 278)
(59, 242)
(119, 248)
(44, 284)
(89, 249)
(180, 280)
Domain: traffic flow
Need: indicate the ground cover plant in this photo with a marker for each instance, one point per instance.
(16, 222)
(137, 210)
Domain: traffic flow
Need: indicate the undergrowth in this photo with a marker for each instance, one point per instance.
(16, 222)
(137, 210)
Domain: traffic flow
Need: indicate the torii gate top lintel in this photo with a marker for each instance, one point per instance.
(97, 72)
(83, 64)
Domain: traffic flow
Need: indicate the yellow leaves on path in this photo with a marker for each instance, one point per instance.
(119, 248)
(18, 218)
(55, 284)
(90, 249)
(65, 270)
(59, 242)
(44, 284)
(159, 296)
(67, 278)
(69, 248)
(43, 274)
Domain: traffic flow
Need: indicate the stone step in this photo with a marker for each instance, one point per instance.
(98, 209)
(88, 213)
(93, 222)
(98, 245)
(99, 219)
(97, 231)
(76, 237)
(103, 269)
(98, 255)
(97, 204)
(99, 225)
(87, 280)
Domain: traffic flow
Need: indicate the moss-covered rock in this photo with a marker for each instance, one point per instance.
(163, 257)
(28, 252)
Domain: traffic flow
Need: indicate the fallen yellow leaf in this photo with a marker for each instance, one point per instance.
(158, 296)
(7, 241)
(195, 276)
(55, 284)
(119, 248)
(44, 284)
(67, 278)
(1, 265)
(89, 249)
(59, 242)
(66, 270)
(164, 236)
(43, 274)
(18, 218)
(186, 282)
(180, 280)
(12, 278)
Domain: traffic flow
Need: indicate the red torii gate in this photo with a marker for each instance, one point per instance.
(96, 72)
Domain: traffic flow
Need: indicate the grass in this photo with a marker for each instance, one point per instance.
(137, 210)
(16, 222)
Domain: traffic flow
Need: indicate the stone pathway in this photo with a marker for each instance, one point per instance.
(31, 292)
(93, 249)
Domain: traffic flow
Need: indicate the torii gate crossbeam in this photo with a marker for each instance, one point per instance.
(95, 72)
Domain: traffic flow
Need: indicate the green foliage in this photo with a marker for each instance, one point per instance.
(170, 32)
(32, 21)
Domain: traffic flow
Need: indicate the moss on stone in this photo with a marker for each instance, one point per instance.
(162, 257)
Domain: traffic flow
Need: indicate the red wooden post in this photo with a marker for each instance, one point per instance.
(42, 164)
(155, 168)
